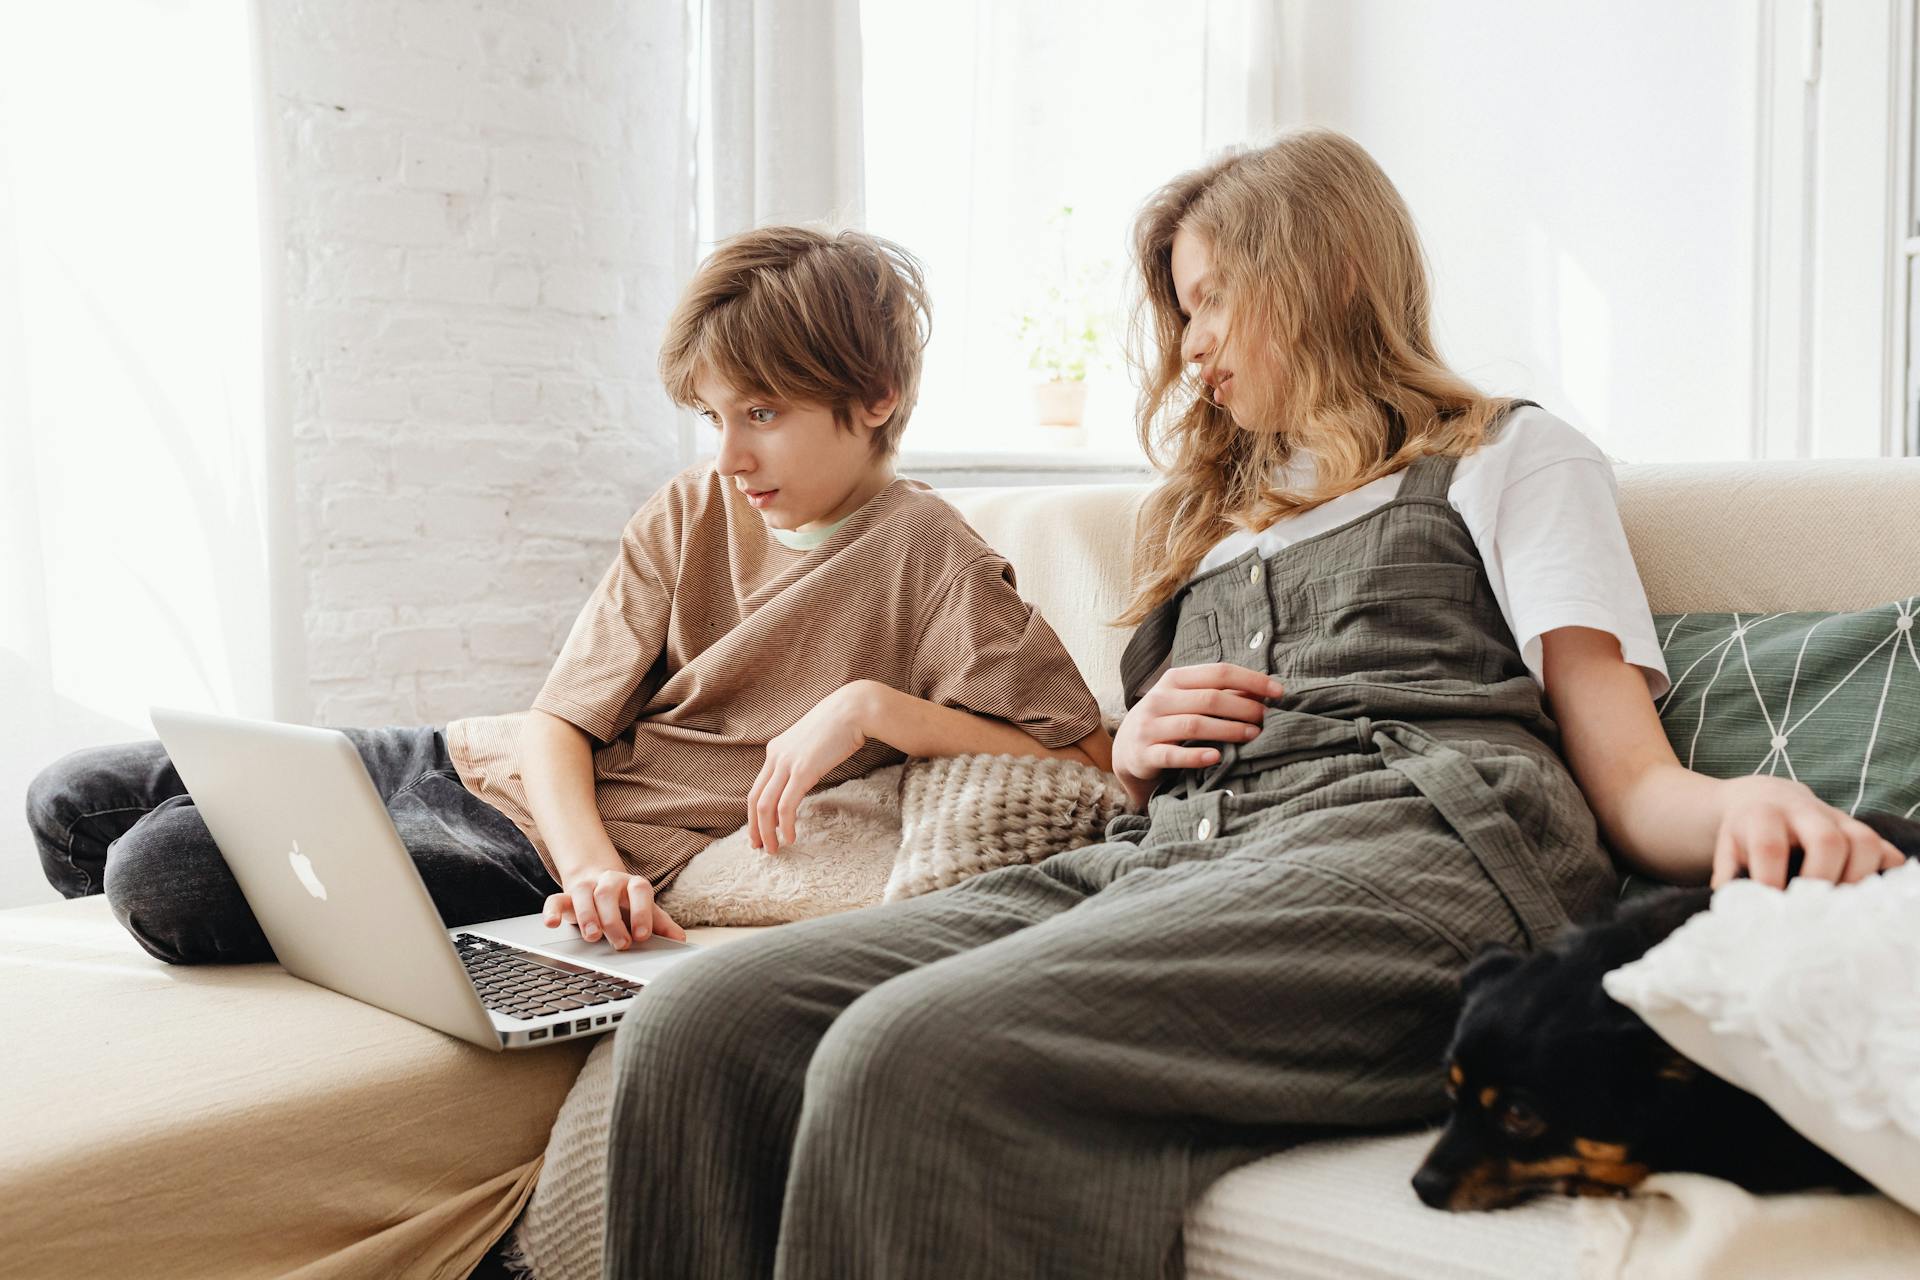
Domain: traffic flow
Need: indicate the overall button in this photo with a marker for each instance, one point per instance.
(1204, 830)
(1253, 642)
(1253, 574)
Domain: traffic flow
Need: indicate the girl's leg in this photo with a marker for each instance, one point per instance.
(1036, 1073)
(168, 884)
(1051, 1103)
(709, 1066)
(1032, 1073)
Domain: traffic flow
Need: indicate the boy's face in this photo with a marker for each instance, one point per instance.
(798, 468)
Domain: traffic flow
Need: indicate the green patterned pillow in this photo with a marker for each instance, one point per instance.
(1832, 699)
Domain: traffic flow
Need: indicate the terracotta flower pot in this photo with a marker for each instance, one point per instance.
(1059, 403)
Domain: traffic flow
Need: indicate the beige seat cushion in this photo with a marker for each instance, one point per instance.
(236, 1121)
(1337, 1208)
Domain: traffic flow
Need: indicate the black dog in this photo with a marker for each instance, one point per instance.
(1556, 1087)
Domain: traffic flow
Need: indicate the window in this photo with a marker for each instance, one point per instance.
(1008, 145)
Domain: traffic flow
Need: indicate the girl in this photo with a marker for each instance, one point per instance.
(1362, 578)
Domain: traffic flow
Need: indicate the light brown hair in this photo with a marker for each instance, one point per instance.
(804, 316)
(1326, 291)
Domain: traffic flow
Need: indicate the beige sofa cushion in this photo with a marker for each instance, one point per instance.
(1706, 536)
(238, 1122)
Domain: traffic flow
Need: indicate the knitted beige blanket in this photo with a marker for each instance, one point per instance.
(961, 815)
(897, 833)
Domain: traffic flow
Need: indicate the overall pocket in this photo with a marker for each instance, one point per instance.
(1196, 640)
(1404, 621)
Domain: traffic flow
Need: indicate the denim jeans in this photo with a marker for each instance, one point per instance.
(118, 819)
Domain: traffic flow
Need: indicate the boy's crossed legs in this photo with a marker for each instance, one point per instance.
(119, 818)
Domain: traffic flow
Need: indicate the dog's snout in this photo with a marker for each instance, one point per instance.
(1432, 1186)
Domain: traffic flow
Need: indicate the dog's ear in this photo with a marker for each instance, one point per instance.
(1677, 1070)
(1494, 959)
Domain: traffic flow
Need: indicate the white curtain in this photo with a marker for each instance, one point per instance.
(133, 460)
(774, 125)
(778, 114)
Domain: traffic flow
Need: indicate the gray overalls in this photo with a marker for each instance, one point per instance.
(1035, 1072)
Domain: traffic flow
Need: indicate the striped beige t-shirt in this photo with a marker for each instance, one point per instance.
(707, 638)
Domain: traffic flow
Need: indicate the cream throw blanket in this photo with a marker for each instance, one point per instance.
(896, 833)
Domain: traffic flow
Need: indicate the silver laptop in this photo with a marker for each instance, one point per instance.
(316, 854)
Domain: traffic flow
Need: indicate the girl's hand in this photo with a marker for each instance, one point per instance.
(614, 903)
(1215, 702)
(797, 759)
(1765, 818)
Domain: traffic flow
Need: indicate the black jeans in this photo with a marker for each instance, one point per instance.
(118, 819)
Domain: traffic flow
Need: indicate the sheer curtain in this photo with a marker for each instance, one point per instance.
(133, 455)
(774, 119)
(778, 113)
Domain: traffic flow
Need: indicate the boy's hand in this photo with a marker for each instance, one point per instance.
(797, 759)
(1214, 702)
(1765, 818)
(615, 903)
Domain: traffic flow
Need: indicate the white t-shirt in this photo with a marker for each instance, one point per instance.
(1543, 509)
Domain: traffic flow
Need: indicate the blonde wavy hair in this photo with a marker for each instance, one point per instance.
(1324, 282)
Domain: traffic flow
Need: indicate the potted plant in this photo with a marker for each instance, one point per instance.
(1064, 331)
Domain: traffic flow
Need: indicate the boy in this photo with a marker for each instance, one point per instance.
(789, 617)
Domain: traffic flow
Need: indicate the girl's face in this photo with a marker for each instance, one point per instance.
(1204, 306)
(798, 468)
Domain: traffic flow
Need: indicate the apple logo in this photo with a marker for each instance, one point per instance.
(303, 867)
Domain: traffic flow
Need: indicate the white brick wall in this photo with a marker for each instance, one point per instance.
(479, 203)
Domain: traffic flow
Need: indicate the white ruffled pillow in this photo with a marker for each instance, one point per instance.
(1810, 1000)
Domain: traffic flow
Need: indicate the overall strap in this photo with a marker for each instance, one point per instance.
(1431, 476)
(1454, 786)
(1146, 652)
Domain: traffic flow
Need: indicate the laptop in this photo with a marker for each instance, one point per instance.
(315, 852)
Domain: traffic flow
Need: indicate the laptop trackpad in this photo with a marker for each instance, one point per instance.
(640, 963)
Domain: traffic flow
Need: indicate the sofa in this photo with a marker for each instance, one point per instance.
(205, 1122)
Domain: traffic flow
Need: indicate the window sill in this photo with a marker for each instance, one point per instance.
(951, 469)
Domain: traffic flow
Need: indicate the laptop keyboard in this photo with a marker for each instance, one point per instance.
(521, 984)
